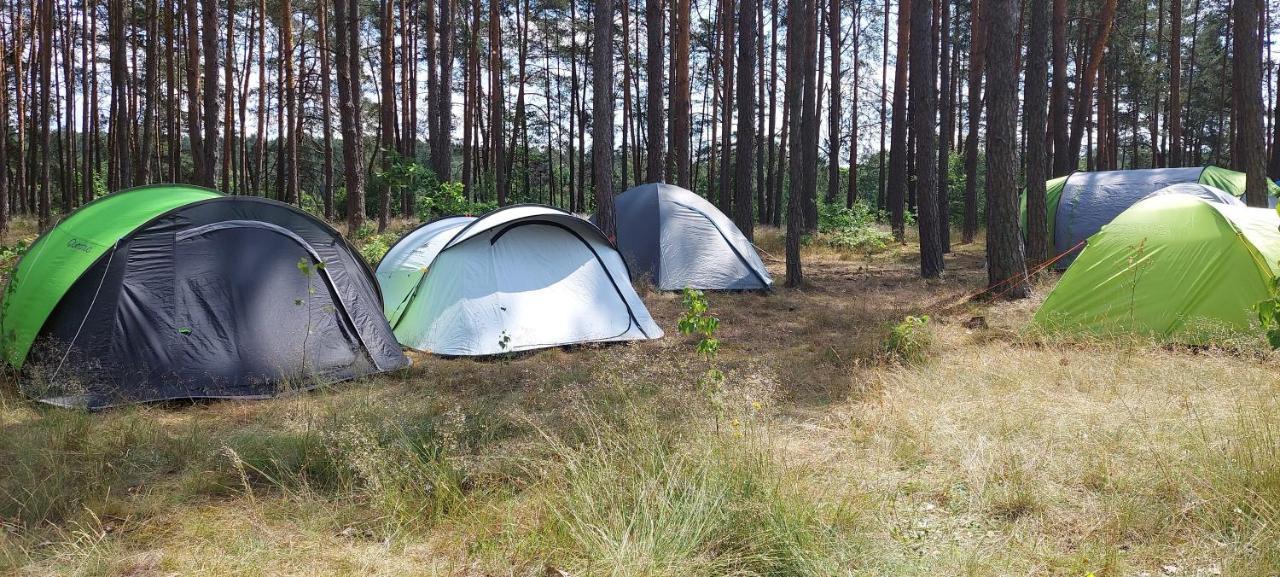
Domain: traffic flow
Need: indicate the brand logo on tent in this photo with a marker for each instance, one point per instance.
(80, 245)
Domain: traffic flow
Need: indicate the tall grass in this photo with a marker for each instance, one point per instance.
(635, 499)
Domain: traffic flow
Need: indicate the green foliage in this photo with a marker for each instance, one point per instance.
(1269, 315)
(909, 340)
(448, 200)
(372, 245)
(852, 229)
(697, 320)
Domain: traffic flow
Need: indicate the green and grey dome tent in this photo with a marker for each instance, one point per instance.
(1080, 204)
(1174, 266)
(678, 240)
(173, 292)
(519, 278)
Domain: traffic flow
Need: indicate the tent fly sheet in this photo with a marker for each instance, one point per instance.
(173, 292)
(519, 278)
(1172, 266)
(1078, 205)
(676, 240)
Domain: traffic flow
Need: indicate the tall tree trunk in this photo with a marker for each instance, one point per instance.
(851, 194)
(744, 163)
(602, 113)
(1246, 82)
(799, 29)
(924, 114)
(946, 123)
(881, 201)
(1004, 244)
(386, 107)
(1061, 137)
(833, 116)
(147, 145)
(1274, 165)
(228, 101)
(1034, 117)
(726, 111)
(442, 155)
(897, 186)
(1175, 83)
(44, 83)
(346, 16)
(326, 106)
(496, 119)
(774, 194)
(977, 61)
(209, 38)
(654, 73)
(4, 140)
(626, 91)
(469, 104)
(680, 106)
(809, 124)
(118, 146)
(1084, 93)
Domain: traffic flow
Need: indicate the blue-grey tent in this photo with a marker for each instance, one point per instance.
(677, 239)
(1090, 200)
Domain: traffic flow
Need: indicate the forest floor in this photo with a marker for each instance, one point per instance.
(990, 451)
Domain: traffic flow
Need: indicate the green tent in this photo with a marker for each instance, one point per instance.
(1169, 266)
(59, 257)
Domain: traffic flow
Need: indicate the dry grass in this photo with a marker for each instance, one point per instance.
(1002, 452)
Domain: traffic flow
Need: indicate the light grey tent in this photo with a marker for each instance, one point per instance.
(677, 239)
(519, 278)
(1201, 191)
(1090, 200)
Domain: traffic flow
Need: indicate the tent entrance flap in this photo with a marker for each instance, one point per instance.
(250, 303)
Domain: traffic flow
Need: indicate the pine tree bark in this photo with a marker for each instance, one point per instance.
(680, 105)
(744, 163)
(118, 143)
(44, 68)
(1247, 84)
(799, 29)
(228, 102)
(152, 82)
(386, 107)
(946, 123)
(851, 193)
(496, 101)
(1175, 83)
(1034, 118)
(347, 52)
(326, 106)
(602, 114)
(209, 38)
(654, 158)
(1004, 244)
(896, 188)
(1084, 94)
(442, 155)
(1060, 138)
(833, 115)
(4, 140)
(977, 64)
(924, 114)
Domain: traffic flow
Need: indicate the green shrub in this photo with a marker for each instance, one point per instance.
(852, 229)
(909, 340)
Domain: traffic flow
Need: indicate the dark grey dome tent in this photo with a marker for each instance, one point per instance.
(677, 239)
(176, 292)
